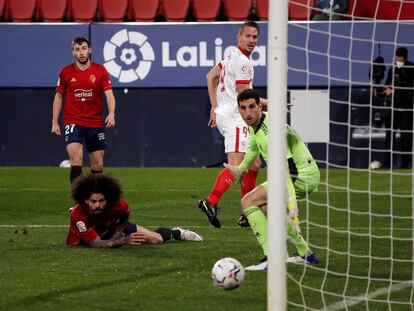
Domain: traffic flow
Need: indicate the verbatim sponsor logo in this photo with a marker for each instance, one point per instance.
(82, 94)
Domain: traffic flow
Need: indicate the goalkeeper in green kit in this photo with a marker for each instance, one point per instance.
(302, 177)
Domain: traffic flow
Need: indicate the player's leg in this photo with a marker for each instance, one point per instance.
(95, 145)
(75, 152)
(96, 160)
(162, 235)
(303, 186)
(251, 207)
(236, 141)
(74, 138)
(225, 178)
(248, 184)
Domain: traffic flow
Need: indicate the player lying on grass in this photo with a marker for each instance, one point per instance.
(101, 218)
(302, 177)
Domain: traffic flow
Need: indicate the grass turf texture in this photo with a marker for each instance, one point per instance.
(39, 272)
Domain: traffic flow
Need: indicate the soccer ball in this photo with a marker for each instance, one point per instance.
(64, 163)
(227, 273)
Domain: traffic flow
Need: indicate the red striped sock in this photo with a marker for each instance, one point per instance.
(248, 182)
(223, 182)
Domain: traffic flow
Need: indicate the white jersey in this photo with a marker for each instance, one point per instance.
(237, 68)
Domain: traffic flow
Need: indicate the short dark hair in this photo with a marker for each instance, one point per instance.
(247, 94)
(79, 41)
(249, 23)
(401, 52)
(85, 185)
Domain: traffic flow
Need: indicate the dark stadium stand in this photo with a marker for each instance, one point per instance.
(300, 9)
(237, 10)
(143, 10)
(2, 8)
(262, 9)
(175, 10)
(51, 10)
(206, 10)
(113, 11)
(83, 10)
(22, 10)
(393, 10)
(185, 10)
(362, 9)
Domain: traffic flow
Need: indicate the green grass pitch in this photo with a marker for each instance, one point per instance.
(39, 272)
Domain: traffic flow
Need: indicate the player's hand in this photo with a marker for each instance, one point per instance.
(293, 211)
(110, 120)
(55, 129)
(295, 222)
(388, 91)
(236, 171)
(136, 238)
(212, 122)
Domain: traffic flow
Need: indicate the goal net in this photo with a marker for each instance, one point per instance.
(358, 123)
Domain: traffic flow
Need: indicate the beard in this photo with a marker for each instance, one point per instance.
(83, 62)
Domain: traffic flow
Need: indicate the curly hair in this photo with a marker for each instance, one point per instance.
(84, 186)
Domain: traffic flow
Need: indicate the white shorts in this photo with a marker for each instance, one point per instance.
(235, 133)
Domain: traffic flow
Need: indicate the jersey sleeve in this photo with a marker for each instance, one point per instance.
(81, 229)
(252, 153)
(61, 85)
(290, 141)
(291, 193)
(106, 81)
(243, 71)
(124, 211)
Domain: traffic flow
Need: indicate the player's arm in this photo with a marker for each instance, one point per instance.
(249, 158)
(263, 101)
(212, 83)
(110, 101)
(57, 107)
(291, 200)
(120, 227)
(241, 87)
(134, 238)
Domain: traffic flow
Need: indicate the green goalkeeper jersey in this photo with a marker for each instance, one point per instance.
(302, 167)
(258, 142)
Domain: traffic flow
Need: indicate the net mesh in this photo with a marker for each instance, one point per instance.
(360, 221)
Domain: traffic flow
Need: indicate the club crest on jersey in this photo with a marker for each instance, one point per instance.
(81, 226)
(92, 78)
(244, 69)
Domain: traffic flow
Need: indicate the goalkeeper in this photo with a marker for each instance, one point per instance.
(302, 177)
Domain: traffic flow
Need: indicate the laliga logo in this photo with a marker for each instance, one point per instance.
(126, 67)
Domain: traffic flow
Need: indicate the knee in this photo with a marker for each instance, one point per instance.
(154, 238)
(247, 201)
(157, 239)
(97, 165)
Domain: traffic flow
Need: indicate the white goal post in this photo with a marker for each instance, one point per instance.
(277, 86)
(360, 222)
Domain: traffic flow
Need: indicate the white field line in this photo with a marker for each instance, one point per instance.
(4, 189)
(124, 190)
(352, 301)
(67, 226)
(187, 226)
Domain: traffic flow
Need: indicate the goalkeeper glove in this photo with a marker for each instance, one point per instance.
(237, 171)
(293, 214)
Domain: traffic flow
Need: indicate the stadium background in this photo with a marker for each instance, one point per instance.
(162, 109)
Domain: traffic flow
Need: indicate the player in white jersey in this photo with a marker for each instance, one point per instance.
(225, 81)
